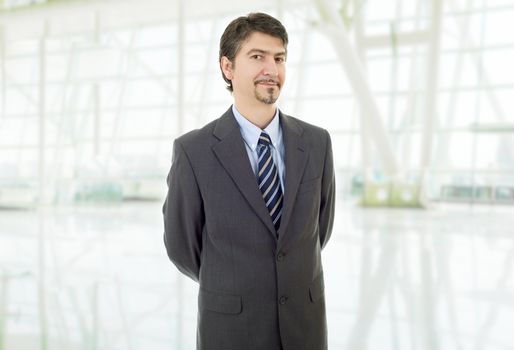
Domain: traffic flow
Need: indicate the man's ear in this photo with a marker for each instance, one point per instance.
(227, 67)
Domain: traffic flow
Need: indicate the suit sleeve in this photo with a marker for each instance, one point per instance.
(326, 215)
(183, 215)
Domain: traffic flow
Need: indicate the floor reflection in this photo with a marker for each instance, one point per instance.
(99, 278)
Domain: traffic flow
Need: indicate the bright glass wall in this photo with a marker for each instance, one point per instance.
(104, 103)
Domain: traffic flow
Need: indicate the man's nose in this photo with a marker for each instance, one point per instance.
(270, 68)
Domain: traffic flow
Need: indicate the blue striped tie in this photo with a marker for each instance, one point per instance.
(269, 180)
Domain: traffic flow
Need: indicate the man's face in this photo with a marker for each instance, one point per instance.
(258, 71)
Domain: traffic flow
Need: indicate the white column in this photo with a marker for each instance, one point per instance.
(430, 116)
(2, 72)
(180, 290)
(3, 308)
(42, 116)
(96, 120)
(180, 62)
(96, 95)
(42, 191)
(363, 127)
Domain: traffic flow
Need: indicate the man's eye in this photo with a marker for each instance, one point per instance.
(280, 59)
(257, 57)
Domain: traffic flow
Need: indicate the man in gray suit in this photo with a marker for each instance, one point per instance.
(251, 204)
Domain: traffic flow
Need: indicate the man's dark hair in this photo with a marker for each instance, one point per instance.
(241, 28)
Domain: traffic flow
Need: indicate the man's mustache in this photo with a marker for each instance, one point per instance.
(267, 80)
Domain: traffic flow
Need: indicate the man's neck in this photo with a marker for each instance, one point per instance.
(258, 114)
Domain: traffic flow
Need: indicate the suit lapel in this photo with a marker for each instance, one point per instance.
(231, 153)
(295, 161)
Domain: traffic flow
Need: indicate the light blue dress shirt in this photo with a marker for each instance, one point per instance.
(251, 133)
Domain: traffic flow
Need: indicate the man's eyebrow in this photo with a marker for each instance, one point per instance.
(265, 52)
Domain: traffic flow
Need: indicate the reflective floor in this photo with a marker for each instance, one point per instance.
(98, 278)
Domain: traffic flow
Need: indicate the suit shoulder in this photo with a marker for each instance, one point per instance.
(196, 136)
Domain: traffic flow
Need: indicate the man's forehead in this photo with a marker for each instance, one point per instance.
(265, 43)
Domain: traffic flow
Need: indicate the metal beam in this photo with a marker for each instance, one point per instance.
(335, 30)
(492, 127)
(120, 106)
(401, 39)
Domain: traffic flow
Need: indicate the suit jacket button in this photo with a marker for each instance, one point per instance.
(282, 300)
(280, 256)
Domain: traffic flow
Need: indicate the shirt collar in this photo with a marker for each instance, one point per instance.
(251, 132)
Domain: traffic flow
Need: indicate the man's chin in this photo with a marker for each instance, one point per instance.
(269, 98)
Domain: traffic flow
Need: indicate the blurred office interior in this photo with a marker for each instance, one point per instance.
(418, 96)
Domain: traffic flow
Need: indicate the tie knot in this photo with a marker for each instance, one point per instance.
(264, 139)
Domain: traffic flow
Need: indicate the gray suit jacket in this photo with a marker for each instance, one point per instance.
(259, 289)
